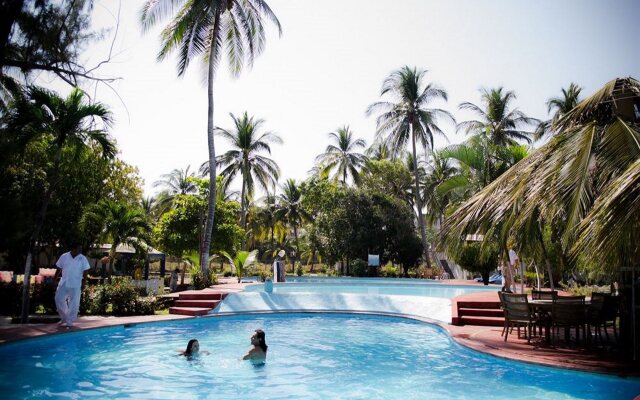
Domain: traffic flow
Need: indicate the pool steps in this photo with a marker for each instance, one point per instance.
(477, 309)
(196, 303)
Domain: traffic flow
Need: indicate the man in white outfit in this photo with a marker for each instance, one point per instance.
(514, 263)
(73, 266)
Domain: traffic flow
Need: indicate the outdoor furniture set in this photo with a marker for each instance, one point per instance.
(549, 312)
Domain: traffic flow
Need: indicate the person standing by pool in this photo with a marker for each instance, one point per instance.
(258, 353)
(73, 266)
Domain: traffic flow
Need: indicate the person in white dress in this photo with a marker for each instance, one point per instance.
(73, 266)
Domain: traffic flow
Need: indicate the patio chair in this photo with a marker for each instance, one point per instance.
(544, 294)
(517, 313)
(610, 313)
(595, 315)
(569, 314)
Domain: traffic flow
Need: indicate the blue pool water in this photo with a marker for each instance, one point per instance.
(374, 287)
(309, 357)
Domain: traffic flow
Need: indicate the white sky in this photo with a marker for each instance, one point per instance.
(330, 62)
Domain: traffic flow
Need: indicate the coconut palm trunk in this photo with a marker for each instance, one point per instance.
(211, 207)
(243, 205)
(423, 233)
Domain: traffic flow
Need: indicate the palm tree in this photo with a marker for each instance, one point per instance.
(204, 28)
(576, 175)
(408, 118)
(241, 261)
(559, 106)
(176, 182)
(119, 223)
(343, 156)
(438, 171)
(379, 151)
(68, 122)
(290, 208)
(496, 121)
(244, 158)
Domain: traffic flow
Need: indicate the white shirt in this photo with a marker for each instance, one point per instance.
(72, 269)
(512, 257)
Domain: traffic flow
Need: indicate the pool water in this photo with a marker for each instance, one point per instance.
(309, 357)
(375, 287)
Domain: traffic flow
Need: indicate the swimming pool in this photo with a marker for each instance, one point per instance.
(424, 288)
(310, 356)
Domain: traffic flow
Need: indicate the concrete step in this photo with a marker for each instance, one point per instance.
(481, 321)
(193, 311)
(480, 312)
(478, 304)
(196, 303)
(202, 295)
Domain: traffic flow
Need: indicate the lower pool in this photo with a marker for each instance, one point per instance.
(324, 356)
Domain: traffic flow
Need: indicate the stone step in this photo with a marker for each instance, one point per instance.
(480, 312)
(481, 321)
(196, 303)
(193, 311)
(478, 304)
(202, 295)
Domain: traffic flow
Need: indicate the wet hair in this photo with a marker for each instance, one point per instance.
(189, 350)
(262, 343)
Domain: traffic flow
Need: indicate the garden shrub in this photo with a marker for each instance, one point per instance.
(227, 273)
(264, 272)
(388, 271)
(43, 295)
(359, 267)
(299, 269)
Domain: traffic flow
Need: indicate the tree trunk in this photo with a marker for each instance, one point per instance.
(423, 232)
(243, 209)
(208, 230)
(295, 235)
(24, 315)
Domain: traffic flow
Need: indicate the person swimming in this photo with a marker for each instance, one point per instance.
(258, 353)
(193, 349)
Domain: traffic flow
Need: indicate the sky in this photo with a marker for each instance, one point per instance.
(331, 60)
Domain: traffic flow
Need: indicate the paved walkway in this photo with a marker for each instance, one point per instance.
(483, 339)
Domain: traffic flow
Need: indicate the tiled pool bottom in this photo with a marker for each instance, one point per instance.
(310, 356)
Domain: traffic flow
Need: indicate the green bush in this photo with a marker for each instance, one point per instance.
(299, 270)
(475, 257)
(388, 271)
(359, 267)
(264, 272)
(43, 295)
(227, 273)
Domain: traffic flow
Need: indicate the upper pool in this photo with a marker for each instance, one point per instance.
(375, 286)
(309, 357)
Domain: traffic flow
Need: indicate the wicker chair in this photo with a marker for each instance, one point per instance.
(517, 313)
(569, 314)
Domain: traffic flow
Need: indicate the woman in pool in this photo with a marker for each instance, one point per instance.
(259, 350)
(193, 349)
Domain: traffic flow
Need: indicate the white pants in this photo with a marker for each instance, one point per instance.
(68, 303)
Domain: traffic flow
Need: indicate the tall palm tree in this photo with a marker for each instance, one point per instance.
(119, 223)
(559, 106)
(343, 156)
(204, 28)
(290, 208)
(176, 182)
(408, 118)
(244, 158)
(68, 122)
(497, 121)
(438, 171)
